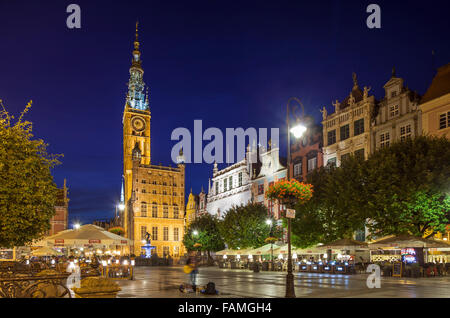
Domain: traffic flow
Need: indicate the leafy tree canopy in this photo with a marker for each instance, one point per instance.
(403, 188)
(208, 236)
(245, 226)
(27, 190)
(408, 187)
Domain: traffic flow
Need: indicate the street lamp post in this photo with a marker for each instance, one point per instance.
(297, 131)
(269, 222)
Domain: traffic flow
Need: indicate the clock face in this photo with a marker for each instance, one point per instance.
(138, 124)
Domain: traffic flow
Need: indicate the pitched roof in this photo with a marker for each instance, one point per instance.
(439, 86)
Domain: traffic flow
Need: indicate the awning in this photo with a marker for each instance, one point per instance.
(86, 235)
(263, 250)
(405, 241)
(46, 251)
(346, 244)
(224, 252)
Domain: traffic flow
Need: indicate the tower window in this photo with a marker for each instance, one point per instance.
(154, 210)
(143, 232)
(143, 209)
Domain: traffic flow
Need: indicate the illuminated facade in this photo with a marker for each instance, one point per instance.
(346, 131)
(306, 152)
(191, 208)
(153, 194)
(435, 104)
(397, 115)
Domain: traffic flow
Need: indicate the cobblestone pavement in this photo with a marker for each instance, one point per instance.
(164, 282)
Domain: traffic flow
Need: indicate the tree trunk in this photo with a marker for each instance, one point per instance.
(419, 256)
(210, 261)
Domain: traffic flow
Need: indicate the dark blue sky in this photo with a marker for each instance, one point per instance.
(229, 63)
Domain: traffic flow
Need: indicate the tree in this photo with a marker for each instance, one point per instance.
(407, 187)
(401, 189)
(245, 226)
(334, 211)
(207, 237)
(27, 191)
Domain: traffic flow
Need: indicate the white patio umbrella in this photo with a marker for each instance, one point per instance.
(46, 251)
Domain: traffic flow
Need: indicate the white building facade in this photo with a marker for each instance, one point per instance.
(229, 187)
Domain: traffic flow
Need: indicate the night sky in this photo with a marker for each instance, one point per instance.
(229, 63)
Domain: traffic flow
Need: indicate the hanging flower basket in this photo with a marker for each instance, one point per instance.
(290, 193)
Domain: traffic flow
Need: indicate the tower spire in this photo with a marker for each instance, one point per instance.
(136, 41)
(136, 97)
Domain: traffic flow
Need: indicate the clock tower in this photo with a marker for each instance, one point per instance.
(153, 194)
(136, 123)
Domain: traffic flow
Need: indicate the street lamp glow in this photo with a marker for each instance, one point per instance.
(121, 206)
(195, 232)
(298, 130)
(76, 226)
(269, 222)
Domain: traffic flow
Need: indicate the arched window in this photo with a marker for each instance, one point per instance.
(154, 210)
(143, 209)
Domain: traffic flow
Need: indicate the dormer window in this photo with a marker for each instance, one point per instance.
(393, 94)
(393, 110)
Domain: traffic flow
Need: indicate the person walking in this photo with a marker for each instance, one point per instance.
(194, 271)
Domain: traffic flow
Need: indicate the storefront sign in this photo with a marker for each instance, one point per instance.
(290, 213)
(409, 255)
(94, 241)
(59, 241)
(123, 242)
